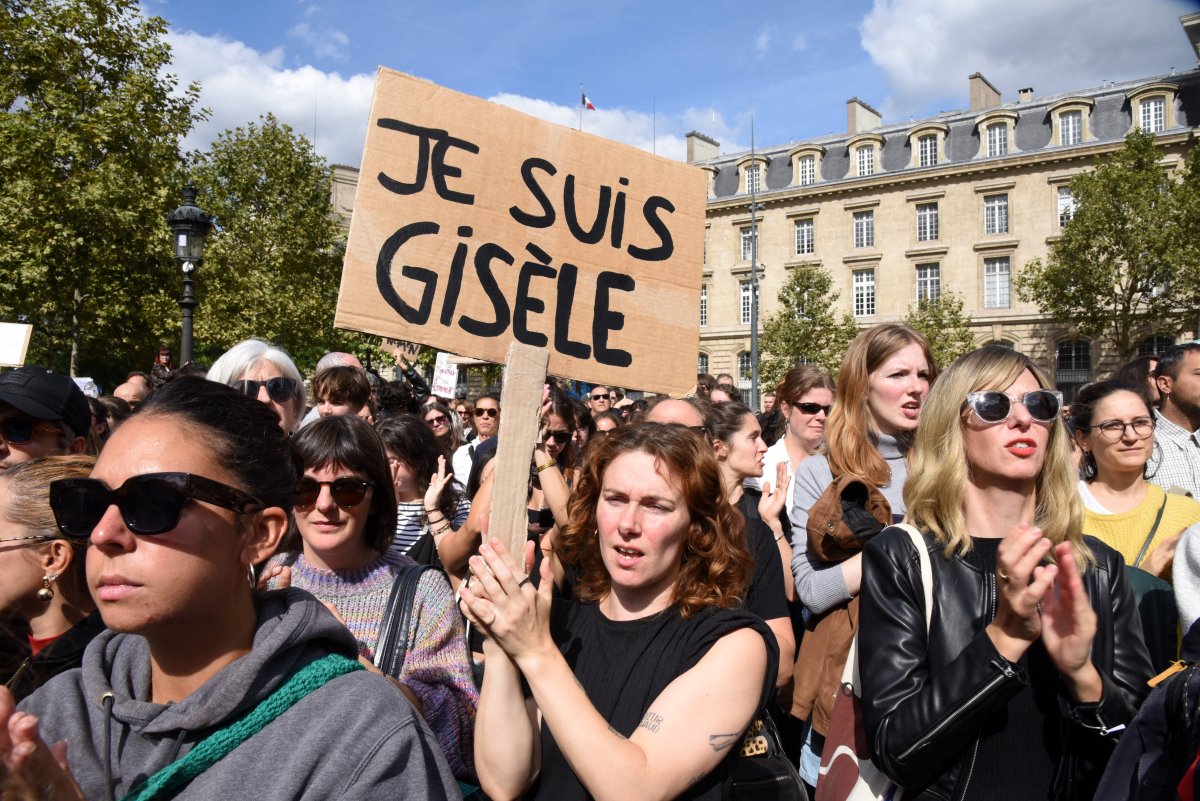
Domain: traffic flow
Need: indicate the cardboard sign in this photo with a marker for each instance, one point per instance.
(398, 347)
(14, 343)
(445, 377)
(475, 226)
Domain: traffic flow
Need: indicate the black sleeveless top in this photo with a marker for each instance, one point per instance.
(624, 665)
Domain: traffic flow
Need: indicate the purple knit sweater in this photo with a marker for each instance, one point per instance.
(437, 667)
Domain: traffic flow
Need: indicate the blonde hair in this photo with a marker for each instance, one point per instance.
(848, 433)
(937, 465)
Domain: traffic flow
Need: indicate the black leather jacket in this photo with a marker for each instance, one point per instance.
(925, 697)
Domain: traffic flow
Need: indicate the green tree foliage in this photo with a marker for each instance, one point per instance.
(944, 326)
(1128, 263)
(273, 264)
(807, 327)
(90, 125)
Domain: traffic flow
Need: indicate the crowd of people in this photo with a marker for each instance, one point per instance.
(214, 582)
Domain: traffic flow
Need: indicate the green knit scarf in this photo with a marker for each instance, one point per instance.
(174, 777)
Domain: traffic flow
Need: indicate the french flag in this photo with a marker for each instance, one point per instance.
(586, 103)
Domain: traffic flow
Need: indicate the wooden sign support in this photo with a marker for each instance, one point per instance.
(521, 405)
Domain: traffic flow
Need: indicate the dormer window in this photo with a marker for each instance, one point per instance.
(997, 133)
(806, 164)
(753, 173)
(1070, 121)
(866, 150)
(928, 144)
(1152, 107)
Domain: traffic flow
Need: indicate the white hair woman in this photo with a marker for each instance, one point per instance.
(266, 372)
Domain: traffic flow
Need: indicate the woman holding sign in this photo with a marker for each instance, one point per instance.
(643, 684)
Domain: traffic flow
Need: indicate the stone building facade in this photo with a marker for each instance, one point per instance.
(895, 213)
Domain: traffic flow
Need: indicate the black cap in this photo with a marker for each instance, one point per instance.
(45, 395)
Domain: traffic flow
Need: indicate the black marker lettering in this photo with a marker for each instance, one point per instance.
(562, 315)
(547, 217)
(596, 232)
(383, 274)
(525, 304)
(454, 280)
(606, 320)
(483, 258)
(663, 251)
(441, 170)
(618, 224)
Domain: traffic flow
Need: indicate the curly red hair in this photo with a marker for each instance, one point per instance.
(715, 566)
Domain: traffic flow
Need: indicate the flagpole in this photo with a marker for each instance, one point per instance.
(581, 106)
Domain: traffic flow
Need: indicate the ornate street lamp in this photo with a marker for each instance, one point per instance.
(189, 226)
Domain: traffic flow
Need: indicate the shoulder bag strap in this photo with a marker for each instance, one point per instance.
(393, 642)
(167, 782)
(926, 568)
(1153, 529)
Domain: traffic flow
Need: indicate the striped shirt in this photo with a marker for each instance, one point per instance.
(410, 523)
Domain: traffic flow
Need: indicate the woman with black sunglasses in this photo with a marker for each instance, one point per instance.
(1018, 678)
(202, 684)
(265, 372)
(345, 508)
(441, 421)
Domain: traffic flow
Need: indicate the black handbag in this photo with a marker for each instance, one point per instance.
(762, 771)
(393, 639)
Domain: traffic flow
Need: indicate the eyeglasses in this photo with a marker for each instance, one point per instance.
(487, 412)
(604, 396)
(434, 422)
(279, 389)
(36, 537)
(20, 430)
(995, 407)
(812, 408)
(561, 437)
(1113, 430)
(346, 492)
(149, 503)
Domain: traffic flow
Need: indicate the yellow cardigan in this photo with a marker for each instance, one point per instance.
(1126, 531)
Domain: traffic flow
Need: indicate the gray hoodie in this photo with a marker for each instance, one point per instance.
(356, 737)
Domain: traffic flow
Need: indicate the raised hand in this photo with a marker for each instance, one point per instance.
(437, 484)
(774, 497)
(502, 601)
(28, 767)
(1069, 626)
(1021, 584)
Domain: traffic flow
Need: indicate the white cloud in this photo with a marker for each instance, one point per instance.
(239, 84)
(329, 43)
(762, 43)
(666, 136)
(927, 48)
(800, 42)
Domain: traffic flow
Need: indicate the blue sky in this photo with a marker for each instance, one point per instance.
(707, 65)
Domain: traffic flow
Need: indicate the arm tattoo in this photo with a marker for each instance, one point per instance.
(651, 721)
(719, 742)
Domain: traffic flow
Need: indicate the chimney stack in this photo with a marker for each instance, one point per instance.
(983, 94)
(701, 147)
(1025, 95)
(861, 117)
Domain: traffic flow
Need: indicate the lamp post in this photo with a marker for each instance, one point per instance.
(189, 226)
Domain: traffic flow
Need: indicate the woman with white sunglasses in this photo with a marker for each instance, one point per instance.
(1018, 681)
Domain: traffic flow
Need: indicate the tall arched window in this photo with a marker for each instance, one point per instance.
(702, 364)
(1154, 345)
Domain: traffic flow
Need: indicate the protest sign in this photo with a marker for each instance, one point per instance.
(14, 343)
(398, 347)
(445, 377)
(476, 226)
